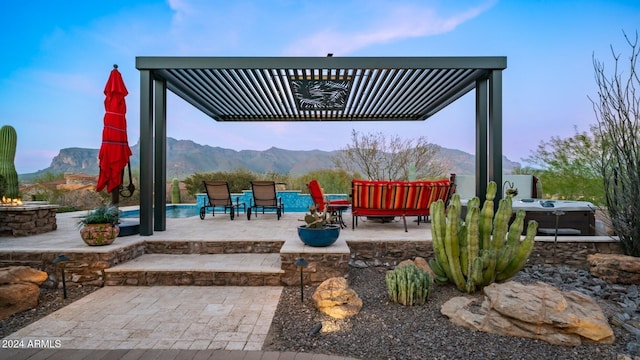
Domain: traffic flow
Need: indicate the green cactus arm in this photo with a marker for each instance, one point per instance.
(504, 257)
(476, 273)
(520, 257)
(411, 291)
(454, 211)
(486, 221)
(501, 223)
(175, 191)
(438, 232)
(473, 202)
(440, 275)
(473, 246)
(492, 190)
(451, 245)
(464, 249)
(486, 215)
(402, 287)
(390, 279)
(515, 230)
(437, 268)
(8, 143)
(489, 273)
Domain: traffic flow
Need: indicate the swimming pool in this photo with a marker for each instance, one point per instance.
(187, 211)
(173, 212)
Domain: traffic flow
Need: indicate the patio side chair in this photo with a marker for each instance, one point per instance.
(219, 196)
(334, 207)
(265, 197)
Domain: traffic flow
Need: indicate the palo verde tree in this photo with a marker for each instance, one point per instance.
(568, 168)
(617, 109)
(379, 157)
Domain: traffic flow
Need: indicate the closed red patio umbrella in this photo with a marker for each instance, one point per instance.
(114, 151)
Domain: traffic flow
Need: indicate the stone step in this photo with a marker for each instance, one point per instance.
(212, 246)
(197, 270)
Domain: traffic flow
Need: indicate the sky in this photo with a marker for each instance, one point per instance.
(58, 55)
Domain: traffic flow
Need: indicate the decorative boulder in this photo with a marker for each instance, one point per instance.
(537, 311)
(420, 263)
(19, 289)
(615, 268)
(335, 298)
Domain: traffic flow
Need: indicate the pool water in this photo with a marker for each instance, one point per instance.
(186, 211)
(173, 212)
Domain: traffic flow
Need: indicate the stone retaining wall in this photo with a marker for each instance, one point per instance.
(86, 268)
(572, 254)
(390, 253)
(191, 278)
(208, 247)
(321, 267)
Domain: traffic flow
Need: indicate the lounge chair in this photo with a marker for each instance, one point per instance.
(219, 196)
(335, 207)
(265, 197)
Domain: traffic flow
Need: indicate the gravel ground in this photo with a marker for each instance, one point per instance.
(384, 330)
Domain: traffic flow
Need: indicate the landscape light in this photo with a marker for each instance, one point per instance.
(61, 260)
(301, 263)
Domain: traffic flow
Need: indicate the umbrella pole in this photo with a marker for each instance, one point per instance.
(115, 197)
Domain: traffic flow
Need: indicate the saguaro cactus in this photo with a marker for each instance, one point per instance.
(8, 142)
(483, 248)
(175, 191)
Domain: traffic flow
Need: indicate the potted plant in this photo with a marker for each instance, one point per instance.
(100, 225)
(318, 230)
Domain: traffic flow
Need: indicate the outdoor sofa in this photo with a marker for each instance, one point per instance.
(379, 198)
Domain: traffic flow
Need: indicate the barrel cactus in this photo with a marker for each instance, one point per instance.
(8, 141)
(408, 285)
(483, 248)
(175, 192)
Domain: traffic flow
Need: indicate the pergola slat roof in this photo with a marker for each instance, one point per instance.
(313, 89)
(321, 89)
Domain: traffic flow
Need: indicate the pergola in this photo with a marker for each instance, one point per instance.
(328, 88)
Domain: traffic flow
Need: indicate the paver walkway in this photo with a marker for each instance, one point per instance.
(161, 317)
(158, 322)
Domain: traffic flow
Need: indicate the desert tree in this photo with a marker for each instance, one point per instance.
(569, 168)
(617, 109)
(379, 157)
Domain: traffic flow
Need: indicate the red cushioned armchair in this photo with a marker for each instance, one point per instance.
(335, 207)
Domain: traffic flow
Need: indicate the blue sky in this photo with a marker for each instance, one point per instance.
(57, 58)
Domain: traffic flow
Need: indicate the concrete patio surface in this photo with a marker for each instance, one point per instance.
(264, 227)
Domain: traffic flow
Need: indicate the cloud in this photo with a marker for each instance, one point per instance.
(394, 23)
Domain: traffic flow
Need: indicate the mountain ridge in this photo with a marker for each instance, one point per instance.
(185, 157)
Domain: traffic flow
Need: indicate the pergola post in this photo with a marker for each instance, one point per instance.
(146, 153)
(495, 130)
(489, 134)
(160, 154)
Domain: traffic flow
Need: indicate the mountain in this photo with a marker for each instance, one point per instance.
(185, 157)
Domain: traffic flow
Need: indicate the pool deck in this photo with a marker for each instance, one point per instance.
(263, 227)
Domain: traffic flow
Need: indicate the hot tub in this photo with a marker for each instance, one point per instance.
(574, 217)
